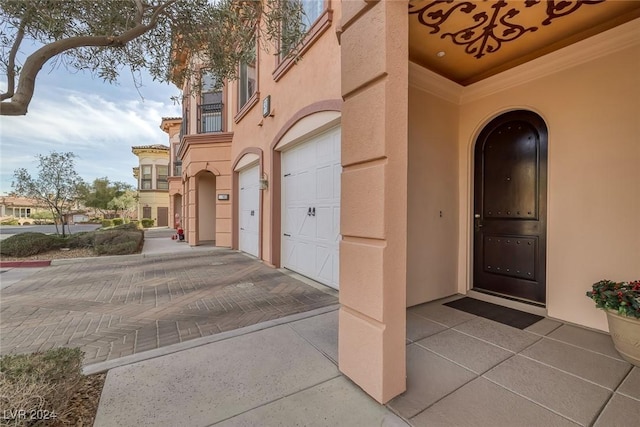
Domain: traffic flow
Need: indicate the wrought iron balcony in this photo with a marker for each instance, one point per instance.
(210, 118)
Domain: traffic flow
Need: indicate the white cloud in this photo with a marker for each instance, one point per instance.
(99, 123)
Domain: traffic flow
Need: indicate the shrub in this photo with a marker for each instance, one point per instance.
(26, 244)
(107, 223)
(84, 239)
(27, 223)
(118, 221)
(11, 221)
(40, 382)
(118, 242)
(128, 226)
(147, 222)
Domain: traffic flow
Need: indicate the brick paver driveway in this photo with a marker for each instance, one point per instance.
(117, 307)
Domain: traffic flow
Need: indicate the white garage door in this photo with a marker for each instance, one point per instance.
(249, 209)
(311, 207)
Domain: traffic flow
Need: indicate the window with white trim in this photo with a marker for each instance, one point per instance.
(162, 173)
(146, 177)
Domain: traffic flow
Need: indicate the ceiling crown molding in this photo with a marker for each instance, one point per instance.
(426, 80)
(613, 40)
(618, 38)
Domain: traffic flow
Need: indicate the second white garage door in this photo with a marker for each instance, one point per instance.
(249, 210)
(311, 207)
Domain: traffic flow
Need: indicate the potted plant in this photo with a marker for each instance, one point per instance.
(621, 302)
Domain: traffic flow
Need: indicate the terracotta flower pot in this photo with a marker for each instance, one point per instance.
(625, 332)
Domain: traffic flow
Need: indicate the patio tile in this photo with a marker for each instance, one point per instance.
(602, 370)
(483, 403)
(544, 327)
(631, 385)
(213, 382)
(512, 339)
(439, 313)
(335, 402)
(418, 327)
(322, 332)
(585, 338)
(569, 396)
(475, 355)
(429, 379)
(621, 411)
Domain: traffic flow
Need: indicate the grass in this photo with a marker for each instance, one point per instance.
(48, 388)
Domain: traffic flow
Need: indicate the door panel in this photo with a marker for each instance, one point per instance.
(249, 210)
(163, 216)
(510, 207)
(311, 198)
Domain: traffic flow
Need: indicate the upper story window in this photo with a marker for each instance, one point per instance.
(312, 11)
(210, 107)
(247, 82)
(161, 179)
(315, 20)
(146, 177)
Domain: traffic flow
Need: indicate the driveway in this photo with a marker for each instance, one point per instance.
(118, 306)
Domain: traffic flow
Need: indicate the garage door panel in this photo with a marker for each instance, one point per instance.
(306, 229)
(293, 218)
(336, 224)
(324, 150)
(324, 263)
(311, 179)
(324, 183)
(324, 219)
(249, 210)
(337, 172)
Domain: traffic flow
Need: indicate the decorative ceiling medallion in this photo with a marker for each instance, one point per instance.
(491, 29)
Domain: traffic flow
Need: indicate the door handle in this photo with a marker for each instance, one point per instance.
(309, 212)
(313, 212)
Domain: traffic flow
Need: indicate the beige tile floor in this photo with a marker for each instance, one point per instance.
(464, 370)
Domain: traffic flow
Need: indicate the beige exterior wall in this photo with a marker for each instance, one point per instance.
(589, 96)
(432, 211)
(152, 198)
(172, 127)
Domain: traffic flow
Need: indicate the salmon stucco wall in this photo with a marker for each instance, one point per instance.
(592, 111)
(313, 79)
(432, 223)
(197, 160)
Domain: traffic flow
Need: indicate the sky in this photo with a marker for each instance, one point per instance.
(97, 121)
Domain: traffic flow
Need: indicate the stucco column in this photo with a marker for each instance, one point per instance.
(191, 211)
(374, 46)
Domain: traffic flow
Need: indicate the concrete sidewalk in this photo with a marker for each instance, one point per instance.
(285, 375)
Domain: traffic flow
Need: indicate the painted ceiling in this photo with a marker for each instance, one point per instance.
(467, 41)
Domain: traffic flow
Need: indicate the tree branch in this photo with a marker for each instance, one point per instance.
(20, 100)
(11, 66)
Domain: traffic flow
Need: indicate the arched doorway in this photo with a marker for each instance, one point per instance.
(206, 208)
(510, 207)
(177, 211)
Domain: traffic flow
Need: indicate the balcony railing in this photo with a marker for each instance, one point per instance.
(210, 118)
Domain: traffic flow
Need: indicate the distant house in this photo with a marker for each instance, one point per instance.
(19, 207)
(153, 186)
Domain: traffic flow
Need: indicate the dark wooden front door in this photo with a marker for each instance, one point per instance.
(163, 216)
(510, 204)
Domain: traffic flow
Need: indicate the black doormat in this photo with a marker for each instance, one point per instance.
(507, 316)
